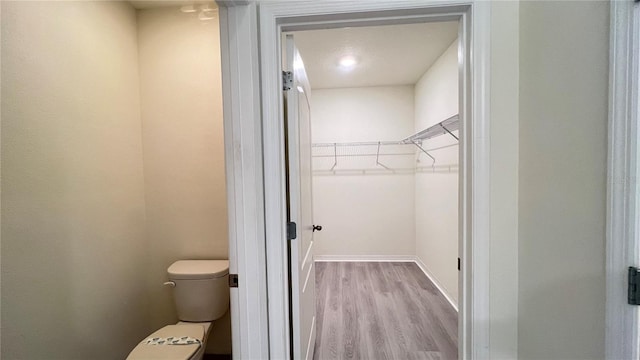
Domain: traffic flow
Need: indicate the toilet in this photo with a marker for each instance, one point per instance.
(201, 295)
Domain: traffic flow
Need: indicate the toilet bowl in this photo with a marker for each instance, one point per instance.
(201, 295)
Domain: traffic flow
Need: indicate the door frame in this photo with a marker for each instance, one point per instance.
(244, 179)
(279, 17)
(254, 146)
(623, 192)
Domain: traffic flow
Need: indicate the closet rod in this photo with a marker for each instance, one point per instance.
(334, 155)
(447, 168)
(363, 155)
(359, 143)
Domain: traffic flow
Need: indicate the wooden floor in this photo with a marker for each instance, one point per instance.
(368, 310)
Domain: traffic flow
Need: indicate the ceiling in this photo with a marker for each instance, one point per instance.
(149, 4)
(386, 55)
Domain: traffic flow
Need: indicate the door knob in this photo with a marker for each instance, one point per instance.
(317, 228)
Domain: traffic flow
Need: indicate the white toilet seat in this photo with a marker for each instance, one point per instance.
(146, 351)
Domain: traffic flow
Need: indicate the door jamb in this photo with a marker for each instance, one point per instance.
(243, 165)
(623, 192)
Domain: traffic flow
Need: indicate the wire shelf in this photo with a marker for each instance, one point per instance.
(395, 156)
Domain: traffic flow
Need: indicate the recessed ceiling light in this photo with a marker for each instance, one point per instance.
(348, 62)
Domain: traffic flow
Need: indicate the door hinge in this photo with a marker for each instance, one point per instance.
(287, 80)
(633, 297)
(291, 230)
(233, 280)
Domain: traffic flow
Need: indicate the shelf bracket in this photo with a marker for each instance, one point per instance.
(335, 156)
(424, 151)
(378, 157)
(449, 132)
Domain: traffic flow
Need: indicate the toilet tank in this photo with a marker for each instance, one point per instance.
(201, 291)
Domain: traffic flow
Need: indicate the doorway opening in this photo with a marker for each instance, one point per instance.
(378, 129)
(255, 132)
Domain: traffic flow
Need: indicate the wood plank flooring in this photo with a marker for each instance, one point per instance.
(372, 310)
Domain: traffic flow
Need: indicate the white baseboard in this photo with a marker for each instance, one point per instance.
(364, 258)
(434, 280)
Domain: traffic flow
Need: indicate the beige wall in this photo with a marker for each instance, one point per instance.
(73, 242)
(563, 137)
(102, 111)
(503, 246)
(363, 214)
(182, 135)
(436, 193)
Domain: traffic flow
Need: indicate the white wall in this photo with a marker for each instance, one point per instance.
(182, 135)
(73, 241)
(363, 214)
(436, 193)
(563, 137)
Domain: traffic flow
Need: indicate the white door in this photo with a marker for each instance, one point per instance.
(302, 270)
(623, 208)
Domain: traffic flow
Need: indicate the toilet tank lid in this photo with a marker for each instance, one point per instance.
(198, 269)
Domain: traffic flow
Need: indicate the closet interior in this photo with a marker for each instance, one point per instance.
(385, 147)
